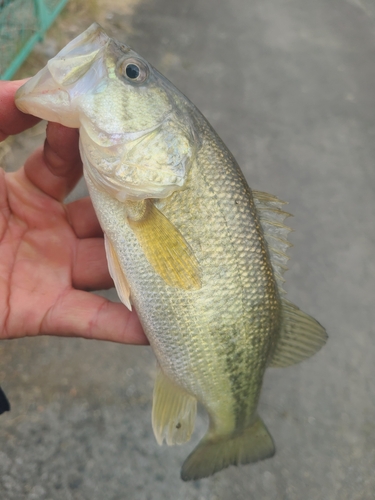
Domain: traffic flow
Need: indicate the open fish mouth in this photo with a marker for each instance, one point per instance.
(50, 94)
(40, 91)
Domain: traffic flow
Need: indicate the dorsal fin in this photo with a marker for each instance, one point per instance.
(271, 217)
(301, 336)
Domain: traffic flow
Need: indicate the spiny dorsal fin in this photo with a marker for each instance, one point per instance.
(173, 411)
(271, 217)
(301, 336)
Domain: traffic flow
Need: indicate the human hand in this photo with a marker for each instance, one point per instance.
(52, 254)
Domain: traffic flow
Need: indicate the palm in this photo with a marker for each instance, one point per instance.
(52, 254)
(38, 254)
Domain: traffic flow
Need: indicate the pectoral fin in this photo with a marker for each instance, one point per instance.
(301, 336)
(173, 411)
(117, 274)
(165, 247)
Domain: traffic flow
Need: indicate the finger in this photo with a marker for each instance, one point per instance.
(82, 218)
(12, 120)
(57, 168)
(61, 151)
(82, 314)
(90, 269)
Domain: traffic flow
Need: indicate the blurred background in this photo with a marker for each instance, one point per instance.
(290, 87)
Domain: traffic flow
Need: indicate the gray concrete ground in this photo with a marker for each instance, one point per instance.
(290, 87)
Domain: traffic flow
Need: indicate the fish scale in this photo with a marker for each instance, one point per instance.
(199, 257)
(247, 237)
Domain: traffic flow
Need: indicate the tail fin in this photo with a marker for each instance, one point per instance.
(211, 455)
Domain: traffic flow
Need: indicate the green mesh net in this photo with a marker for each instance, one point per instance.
(22, 24)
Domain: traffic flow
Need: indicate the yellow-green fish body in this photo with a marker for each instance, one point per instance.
(198, 254)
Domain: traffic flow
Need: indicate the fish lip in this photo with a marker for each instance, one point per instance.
(31, 101)
(24, 93)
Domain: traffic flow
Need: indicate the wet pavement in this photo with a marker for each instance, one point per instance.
(290, 87)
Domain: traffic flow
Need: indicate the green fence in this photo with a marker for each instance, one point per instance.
(23, 24)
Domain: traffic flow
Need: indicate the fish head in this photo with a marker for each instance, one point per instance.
(137, 139)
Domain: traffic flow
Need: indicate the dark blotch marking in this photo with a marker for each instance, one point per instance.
(4, 403)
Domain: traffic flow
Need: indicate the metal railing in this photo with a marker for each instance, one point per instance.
(23, 24)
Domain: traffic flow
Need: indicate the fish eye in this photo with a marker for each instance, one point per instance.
(133, 70)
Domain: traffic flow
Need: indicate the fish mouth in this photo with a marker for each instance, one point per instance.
(40, 96)
(50, 93)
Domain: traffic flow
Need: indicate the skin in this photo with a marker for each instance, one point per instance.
(52, 254)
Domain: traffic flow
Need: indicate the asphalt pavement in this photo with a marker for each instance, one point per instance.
(290, 87)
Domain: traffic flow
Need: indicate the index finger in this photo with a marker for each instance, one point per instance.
(12, 120)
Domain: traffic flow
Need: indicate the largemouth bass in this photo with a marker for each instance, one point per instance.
(198, 254)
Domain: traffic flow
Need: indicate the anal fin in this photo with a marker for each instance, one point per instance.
(301, 336)
(173, 411)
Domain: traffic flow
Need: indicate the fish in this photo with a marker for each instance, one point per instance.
(199, 254)
(4, 403)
